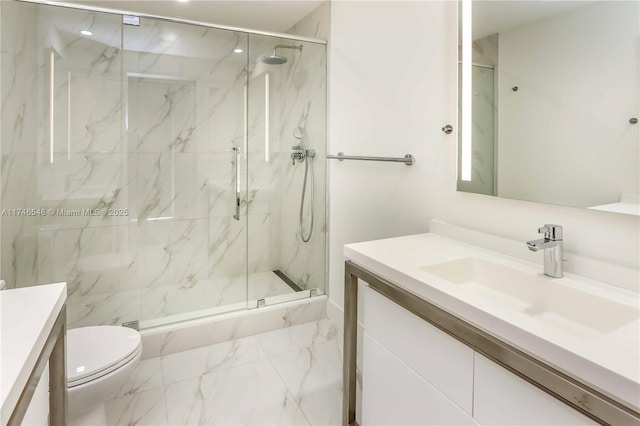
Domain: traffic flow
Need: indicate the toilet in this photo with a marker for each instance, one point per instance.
(100, 360)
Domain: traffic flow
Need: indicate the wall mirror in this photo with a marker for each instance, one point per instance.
(549, 102)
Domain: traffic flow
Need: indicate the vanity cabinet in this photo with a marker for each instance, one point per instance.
(502, 398)
(414, 373)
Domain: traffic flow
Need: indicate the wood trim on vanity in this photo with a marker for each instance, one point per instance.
(570, 391)
(54, 352)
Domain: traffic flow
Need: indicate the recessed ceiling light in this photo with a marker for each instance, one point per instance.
(86, 32)
(183, 1)
(237, 50)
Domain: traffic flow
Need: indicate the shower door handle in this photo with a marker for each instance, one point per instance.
(236, 151)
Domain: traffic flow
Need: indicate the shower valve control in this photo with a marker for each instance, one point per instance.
(300, 154)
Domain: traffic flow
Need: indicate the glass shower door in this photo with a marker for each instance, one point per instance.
(185, 96)
(156, 161)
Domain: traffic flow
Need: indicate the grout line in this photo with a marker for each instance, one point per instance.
(164, 391)
(295, 399)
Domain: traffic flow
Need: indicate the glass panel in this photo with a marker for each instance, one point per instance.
(287, 108)
(185, 90)
(64, 158)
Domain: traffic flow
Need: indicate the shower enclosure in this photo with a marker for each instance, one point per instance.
(148, 163)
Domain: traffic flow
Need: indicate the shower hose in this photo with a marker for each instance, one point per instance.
(309, 174)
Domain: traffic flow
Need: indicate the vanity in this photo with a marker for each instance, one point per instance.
(32, 327)
(455, 333)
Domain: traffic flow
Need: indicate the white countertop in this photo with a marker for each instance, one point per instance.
(27, 316)
(608, 362)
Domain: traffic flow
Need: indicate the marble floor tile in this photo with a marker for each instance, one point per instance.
(314, 376)
(296, 337)
(143, 408)
(146, 376)
(208, 359)
(251, 394)
(291, 376)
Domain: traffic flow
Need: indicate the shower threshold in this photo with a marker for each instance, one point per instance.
(270, 287)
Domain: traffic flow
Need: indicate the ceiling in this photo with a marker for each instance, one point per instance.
(262, 15)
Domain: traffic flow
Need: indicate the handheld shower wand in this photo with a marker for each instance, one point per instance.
(301, 153)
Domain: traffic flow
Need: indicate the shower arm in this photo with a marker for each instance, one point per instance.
(285, 46)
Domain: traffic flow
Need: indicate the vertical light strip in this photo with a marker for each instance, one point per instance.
(69, 115)
(246, 121)
(52, 65)
(466, 147)
(266, 117)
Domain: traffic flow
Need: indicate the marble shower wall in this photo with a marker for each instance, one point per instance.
(303, 104)
(18, 141)
(297, 98)
(144, 122)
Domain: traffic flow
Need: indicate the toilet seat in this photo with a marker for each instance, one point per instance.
(93, 352)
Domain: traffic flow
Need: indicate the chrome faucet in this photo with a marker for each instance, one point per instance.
(552, 246)
(300, 153)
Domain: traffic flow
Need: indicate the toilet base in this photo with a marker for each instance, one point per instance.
(95, 417)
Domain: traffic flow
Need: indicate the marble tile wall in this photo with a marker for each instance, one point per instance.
(304, 105)
(144, 122)
(18, 161)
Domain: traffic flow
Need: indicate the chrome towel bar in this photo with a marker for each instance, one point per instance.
(407, 159)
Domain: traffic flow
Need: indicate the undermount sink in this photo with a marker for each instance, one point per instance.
(551, 300)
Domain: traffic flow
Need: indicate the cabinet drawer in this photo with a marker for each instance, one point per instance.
(502, 398)
(393, 394)
(437, 357)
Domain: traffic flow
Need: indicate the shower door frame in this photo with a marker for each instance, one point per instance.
(309, 293)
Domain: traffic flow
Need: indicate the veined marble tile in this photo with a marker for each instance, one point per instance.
(221, 183)
(266, 284)
(262, 245)
(162, 115)
(19, 251)
(232, 325)
(19, 181)
(251, 394)
(19, 66)
(173, 49)
(78, 183)
(197, 334)
(146, 376)
(87, 56)
(224, 102)
(297, 337)
(92, 261)
(103, 309)
(95, 126)
(173, 186)
(314, 377)
(172, 252)
(143, 408)
(303, 104)
(227, 247)
(168, 300)
(303, 311)
(205, 360)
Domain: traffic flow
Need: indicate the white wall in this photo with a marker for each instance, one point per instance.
(390, 94)
(392, 79)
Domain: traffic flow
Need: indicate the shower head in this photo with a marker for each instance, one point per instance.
(275, 59)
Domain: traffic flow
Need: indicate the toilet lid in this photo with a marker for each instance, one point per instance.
(95, 351)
